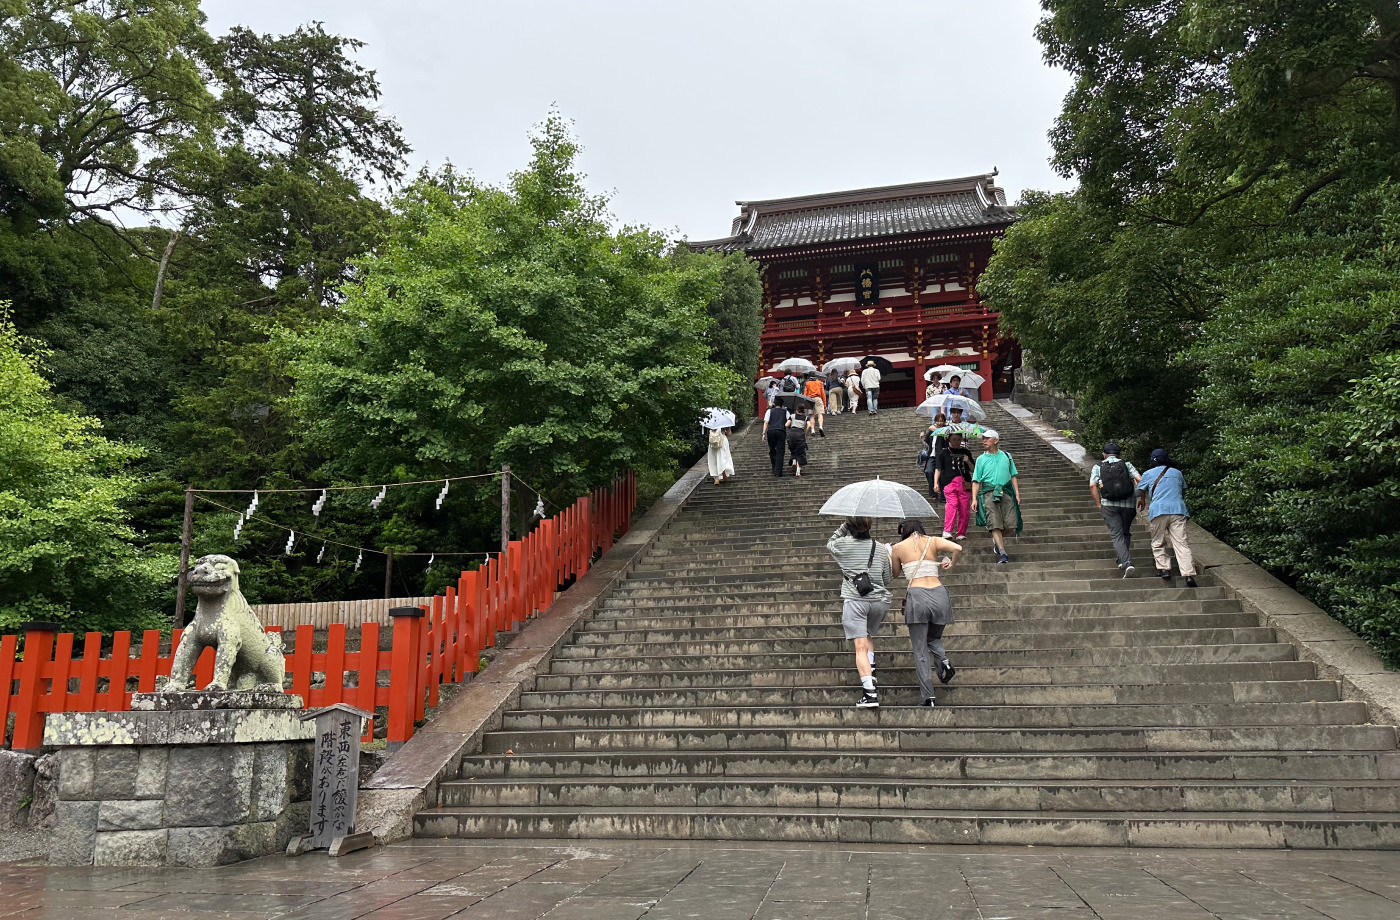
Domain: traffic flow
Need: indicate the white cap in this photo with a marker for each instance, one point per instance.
(991, 433)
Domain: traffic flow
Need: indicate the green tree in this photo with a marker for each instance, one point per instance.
(509, 325)
(736, 319)
(106, 104)
(66, 542)
(1222, 280)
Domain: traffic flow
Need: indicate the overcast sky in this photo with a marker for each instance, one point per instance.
(682, 108)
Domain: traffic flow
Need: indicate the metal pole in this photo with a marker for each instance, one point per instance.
(182, 580)
(389, 575)
(505, 507)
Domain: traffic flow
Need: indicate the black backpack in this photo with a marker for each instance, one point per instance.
(1115, 482)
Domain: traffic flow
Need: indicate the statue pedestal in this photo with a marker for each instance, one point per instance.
(185, 779)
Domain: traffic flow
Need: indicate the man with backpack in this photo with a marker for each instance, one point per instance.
(1113, 484)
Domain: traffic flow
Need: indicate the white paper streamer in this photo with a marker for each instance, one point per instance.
(320, 503)
(375, 502)
(321, 555)
(358, 559)
(252, 505)
(443, 494)
(539, 508)
(291, 541)
(431, 557)
(238, 528)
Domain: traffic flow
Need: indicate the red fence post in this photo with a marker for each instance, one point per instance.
(118, 666)
(367, 674)
(404, 672)
(468, 645)
(9, 661)
(33, 674)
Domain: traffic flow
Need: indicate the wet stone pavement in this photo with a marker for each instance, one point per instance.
(629, 880)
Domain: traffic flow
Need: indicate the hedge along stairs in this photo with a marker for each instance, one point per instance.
(712, 694)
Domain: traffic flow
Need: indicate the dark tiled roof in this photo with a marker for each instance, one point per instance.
(955, 204)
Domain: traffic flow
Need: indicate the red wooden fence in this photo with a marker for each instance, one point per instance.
(442, 643)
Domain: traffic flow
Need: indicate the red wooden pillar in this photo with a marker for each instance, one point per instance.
(984, 367)
(920, 384)
(404, 672)
(33, 686)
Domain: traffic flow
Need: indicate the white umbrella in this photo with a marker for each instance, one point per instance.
(971, 409)
(797, 366)
(715, 418)
(941, 370)
(969, 378)
(878, 498)
(840, 365)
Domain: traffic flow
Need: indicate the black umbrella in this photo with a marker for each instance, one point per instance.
(791, 401)
(881, 364)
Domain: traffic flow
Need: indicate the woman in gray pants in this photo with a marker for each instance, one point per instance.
(927, 608)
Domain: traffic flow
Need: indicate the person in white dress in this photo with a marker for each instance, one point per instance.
(719, 459)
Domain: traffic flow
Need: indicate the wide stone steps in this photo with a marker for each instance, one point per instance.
(1108, 627)
(684, 643)
(928, 827)
(710, 695)
(645, 616)
(1168, 766)
(958, 692)
(999, 739)
(968, 715)
(593, 678)
(905, 793)
(1019, 600)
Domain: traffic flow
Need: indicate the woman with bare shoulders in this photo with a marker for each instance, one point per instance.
(927, 608)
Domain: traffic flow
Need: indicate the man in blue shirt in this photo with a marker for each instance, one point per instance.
(1116, 501)
(1162, 491)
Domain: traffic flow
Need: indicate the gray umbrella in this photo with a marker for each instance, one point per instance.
(878, 498)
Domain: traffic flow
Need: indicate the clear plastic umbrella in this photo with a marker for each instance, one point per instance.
(840, 365)
(762, 382)
(942, 370)
(797, 366)
(971, 408)
(970, 379)
(878, 498)
(715, 418)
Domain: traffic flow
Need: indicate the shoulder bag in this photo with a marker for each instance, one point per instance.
(861, 581)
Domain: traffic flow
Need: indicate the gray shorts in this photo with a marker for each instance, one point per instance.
(861, 618)
(928, 605)
(1000, 515)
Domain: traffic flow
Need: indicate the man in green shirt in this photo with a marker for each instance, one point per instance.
(996, 494)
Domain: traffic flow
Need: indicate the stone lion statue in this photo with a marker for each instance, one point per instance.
(245, 657)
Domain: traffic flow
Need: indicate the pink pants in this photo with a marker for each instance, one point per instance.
(959, 504)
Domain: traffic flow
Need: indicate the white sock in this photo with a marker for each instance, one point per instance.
(868, 683)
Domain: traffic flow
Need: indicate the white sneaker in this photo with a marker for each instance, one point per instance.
(947, 535)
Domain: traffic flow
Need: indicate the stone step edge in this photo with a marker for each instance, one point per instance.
(1295, 830)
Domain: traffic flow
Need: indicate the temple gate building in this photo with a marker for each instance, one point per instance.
(886, 271)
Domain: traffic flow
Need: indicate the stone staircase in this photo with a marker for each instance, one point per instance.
(712, 695)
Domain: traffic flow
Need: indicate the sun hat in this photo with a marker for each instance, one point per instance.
(1159, 457)
(991, 433)
(1112, 448)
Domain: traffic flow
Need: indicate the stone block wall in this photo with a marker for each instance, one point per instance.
(187, 805)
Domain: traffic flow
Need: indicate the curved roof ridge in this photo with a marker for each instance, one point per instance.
(872, 194)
